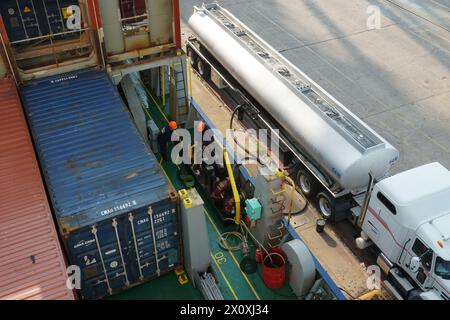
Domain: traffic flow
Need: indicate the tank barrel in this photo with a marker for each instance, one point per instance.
(342, 145)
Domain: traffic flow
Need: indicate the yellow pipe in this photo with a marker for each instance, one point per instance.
(291, 204)
(277, 193)
(372, 294)
(237, 199)
(188, 63)
(163, 80)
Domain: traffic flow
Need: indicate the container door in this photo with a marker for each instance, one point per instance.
(120, 252)
(150, 258)
(102, 254)
(83, 252)
(56, 14)
(21, 19)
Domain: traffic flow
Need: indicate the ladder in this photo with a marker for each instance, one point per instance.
(179, 104)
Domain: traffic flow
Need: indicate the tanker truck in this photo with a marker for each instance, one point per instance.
(339, 160)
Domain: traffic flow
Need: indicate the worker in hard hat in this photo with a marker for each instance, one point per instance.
(201, 127)
(165, 137)
(196, 149)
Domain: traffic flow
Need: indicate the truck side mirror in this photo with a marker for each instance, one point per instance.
(414, 265)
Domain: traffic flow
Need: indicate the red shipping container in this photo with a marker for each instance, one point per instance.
(32, 264)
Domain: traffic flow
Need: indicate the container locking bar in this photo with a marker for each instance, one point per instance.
(131, 218)
(115, 224)
(150, 213)
(94, 232)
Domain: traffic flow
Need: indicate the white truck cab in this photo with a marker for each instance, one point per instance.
(408, 219)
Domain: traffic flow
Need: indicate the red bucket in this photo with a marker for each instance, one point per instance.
(274, 269)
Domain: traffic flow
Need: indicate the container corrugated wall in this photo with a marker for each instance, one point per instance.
(110, 196)
(32, 264)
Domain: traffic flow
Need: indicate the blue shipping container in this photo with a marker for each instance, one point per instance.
(116, 211)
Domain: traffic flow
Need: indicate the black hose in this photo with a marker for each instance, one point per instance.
(292, 167)
(250, 157)
(235, 139)
(239, 107)
(298, 212)
(303, 209)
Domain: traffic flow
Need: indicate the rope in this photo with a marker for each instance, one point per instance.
(223, 241)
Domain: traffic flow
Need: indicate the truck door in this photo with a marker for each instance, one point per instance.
(422, 276)
(379, 224)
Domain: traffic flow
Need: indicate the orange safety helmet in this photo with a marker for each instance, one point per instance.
(201, 126)
(173, 125)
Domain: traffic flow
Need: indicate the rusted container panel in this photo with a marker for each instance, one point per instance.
(32, 264)
(132, 8)
(142, 29)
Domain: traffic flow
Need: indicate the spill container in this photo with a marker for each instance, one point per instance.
(32, 264)
(116, 210)
(274, 269)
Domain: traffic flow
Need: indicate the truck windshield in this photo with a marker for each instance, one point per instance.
(443, 268)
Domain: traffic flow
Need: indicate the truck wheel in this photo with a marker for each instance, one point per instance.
(326, 205)
(204, 69)
(192, 57)
(307, 183)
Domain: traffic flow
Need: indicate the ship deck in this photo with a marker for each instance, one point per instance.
(233, 282)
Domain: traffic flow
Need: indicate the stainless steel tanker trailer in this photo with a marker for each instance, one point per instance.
(342, 162)
(336, 151)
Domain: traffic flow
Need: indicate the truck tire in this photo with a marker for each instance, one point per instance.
(307, 183)
(326, 205)
(204, 69)
(193, 57)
